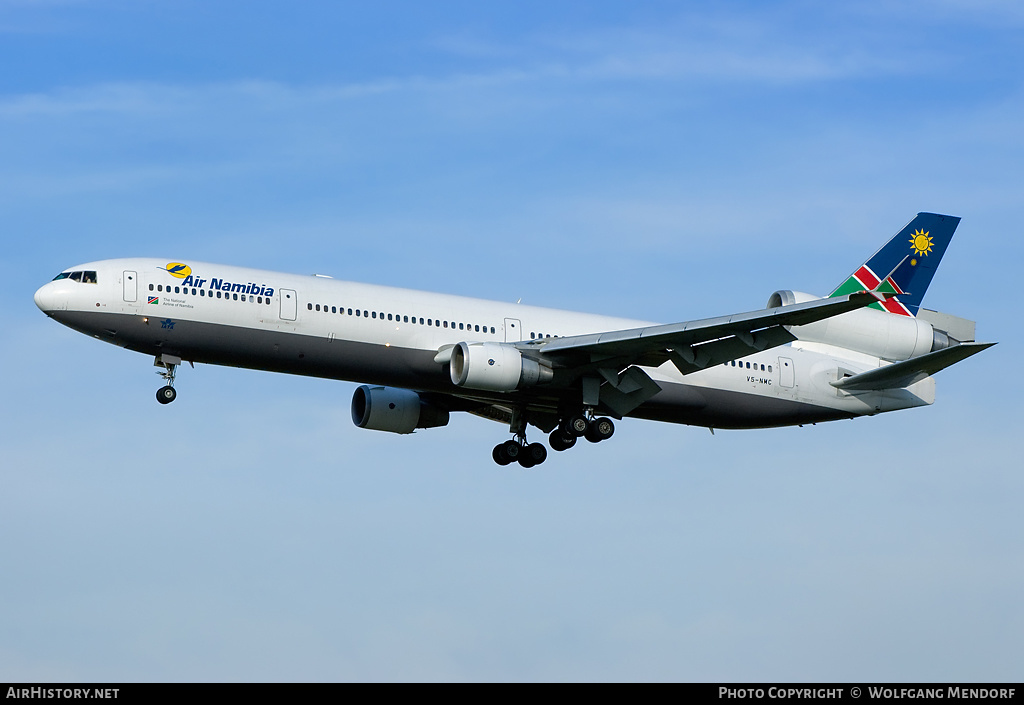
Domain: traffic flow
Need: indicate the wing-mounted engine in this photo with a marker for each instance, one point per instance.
(495, 367)
(877, 333)
(395, 410)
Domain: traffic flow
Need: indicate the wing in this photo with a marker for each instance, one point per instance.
(608, 366)
(693, 345)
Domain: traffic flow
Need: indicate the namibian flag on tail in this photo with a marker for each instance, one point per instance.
(905, 265)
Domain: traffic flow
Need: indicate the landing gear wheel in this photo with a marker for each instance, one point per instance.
(498, 454)
(165, 395)
(533, 454)
(600, 430)
(511, 450)
(561, 439)
(577, 425)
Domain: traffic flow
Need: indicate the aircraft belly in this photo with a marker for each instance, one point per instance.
(373, 363)
(266, 349)
(723, 408)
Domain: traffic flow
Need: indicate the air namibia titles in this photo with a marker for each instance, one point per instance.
(224, 285)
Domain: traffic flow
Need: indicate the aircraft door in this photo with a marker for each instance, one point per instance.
(513, 330)
(787, 373)
(131, 286)
(289, 304)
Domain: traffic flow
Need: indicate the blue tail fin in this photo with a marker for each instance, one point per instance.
(906, 264)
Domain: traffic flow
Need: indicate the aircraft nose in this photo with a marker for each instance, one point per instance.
(49, 299)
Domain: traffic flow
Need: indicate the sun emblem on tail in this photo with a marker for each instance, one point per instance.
(921, 243)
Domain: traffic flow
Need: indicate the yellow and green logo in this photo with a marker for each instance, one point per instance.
(177, 269)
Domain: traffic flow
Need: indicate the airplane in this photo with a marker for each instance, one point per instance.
(867, 348)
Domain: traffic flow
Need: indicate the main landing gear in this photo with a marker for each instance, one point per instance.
(564, 437)
(519, 451)
(167, 394)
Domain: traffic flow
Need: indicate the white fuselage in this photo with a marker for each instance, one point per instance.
(335, 329)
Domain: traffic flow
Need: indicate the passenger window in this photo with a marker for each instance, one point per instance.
(218, 294)
(358, 312)
(350, 312)
(151, 287)
(318, 307)
(769, 368)
(405, 319)
(478, 329)
(762, 368)
(235, 297)
(430, 321)
(334, 309)
(374, 314)
(492, 329)
(446, 324)
(421, 321)
(366, 314)
(460, 326)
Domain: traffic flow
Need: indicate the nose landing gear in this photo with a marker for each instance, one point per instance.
(167, 393)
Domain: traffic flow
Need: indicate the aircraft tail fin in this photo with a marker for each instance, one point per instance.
(905, 265)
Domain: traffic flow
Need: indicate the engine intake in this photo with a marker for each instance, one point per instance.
(395, 410)
(495, 367)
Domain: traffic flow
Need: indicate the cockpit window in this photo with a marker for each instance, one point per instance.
(86, 277)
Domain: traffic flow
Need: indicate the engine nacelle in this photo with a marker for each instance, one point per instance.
(395, 410)
(877, 333)
(495, 367)
(788, 298)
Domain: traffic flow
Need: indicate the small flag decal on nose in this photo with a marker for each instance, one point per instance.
(154, 299)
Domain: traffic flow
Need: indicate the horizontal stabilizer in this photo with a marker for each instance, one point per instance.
(903, 374)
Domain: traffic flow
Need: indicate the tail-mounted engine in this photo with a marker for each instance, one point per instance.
(395, 410)
(495, 367)
(877, 333)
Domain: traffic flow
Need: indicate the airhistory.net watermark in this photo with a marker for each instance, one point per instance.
(62, 693)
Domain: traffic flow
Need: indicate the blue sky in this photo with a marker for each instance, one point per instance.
(663, 161)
